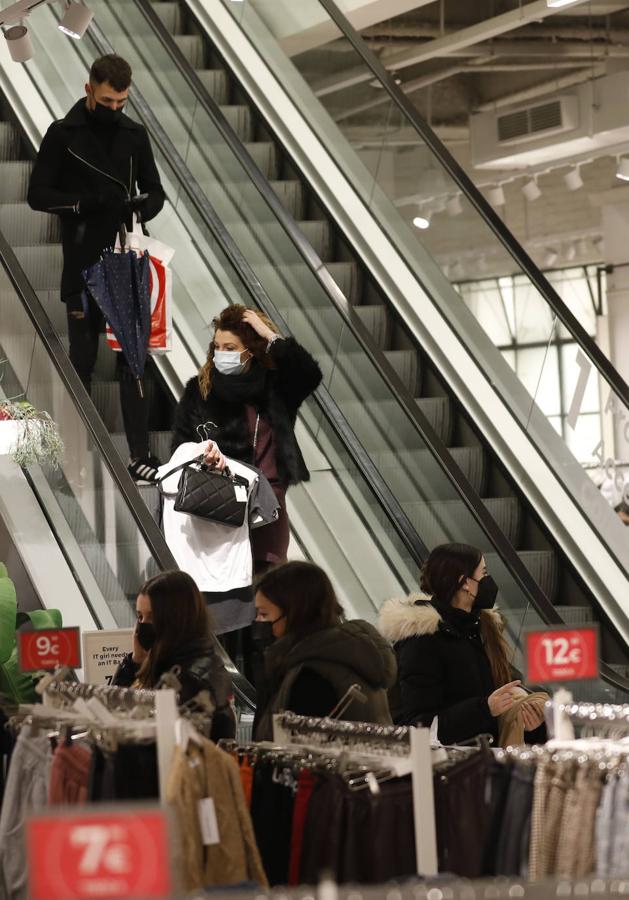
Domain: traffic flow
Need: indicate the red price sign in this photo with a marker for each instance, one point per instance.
(562, 654)
(48, 648)
(121, 853)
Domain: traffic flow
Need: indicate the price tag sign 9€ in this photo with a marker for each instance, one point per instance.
(47, 648)
(561, 654)
(99, 855)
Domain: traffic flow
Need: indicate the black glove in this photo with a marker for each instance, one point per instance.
(109, 199)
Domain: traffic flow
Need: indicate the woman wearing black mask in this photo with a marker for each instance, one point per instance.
(311, 655)
(453, 661)
(173, 629)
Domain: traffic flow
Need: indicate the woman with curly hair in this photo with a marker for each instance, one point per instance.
(245, 399)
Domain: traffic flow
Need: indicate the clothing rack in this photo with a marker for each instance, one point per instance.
(597, 717)
(402, 749)
(160, 705)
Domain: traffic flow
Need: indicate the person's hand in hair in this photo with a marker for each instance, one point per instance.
(254, 320)
(531, 716)
(213, 457)
(503, 699)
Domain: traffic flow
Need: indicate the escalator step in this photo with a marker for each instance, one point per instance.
(406, 365)
(418, 465)
(438, 411)
(192, 47)
(291, 194)
(376, 321)
(22, 225)
(170, 14)
(348, 277)
(240, 119)
(14, 178)
(116, 574)
(543, 566)
(576, 615)
(441, 521)
(264, 155)
(9, 142)
(318, 233)
(216, 83)
(42, 265)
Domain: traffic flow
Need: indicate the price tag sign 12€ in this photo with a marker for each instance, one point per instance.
(561, 654)
(48, 648)
(103, 855)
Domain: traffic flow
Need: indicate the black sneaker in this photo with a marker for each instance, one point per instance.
(144, 471)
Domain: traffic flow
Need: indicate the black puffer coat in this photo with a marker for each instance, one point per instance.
(201, 670)
(72, 164)
(295, 377)
(443, 669)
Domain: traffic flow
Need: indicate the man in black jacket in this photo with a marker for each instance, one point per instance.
(94, 168)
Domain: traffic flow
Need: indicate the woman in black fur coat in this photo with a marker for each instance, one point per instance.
(248, 393)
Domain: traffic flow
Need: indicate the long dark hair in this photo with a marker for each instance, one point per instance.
(305, 595)
(442, 575)
(230, 319)
(180, 618)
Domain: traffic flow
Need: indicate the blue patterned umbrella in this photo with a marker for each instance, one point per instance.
(119, 284)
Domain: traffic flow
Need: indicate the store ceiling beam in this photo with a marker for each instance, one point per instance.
(443, 46)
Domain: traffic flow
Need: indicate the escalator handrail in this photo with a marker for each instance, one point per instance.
(196, 196)
(100, 436)
(252, 284)
(393, 382)
(467, 187)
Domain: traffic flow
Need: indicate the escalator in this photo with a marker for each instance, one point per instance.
(384, 522)
(228, 67)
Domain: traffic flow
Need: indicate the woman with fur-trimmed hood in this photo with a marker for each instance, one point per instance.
(453, 660)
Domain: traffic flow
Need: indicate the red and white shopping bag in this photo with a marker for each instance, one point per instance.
(160, 285)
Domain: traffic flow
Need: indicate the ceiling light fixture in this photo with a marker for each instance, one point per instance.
(454, 207)
(76, 19)
(573, 180)
(496, 196)
(557, 4)
(422, 220)
(622, 171)
(531, 190)
(571, 252)
(19, 43)
(551, 257)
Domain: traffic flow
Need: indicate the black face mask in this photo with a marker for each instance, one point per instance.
(103, 115)
(262, 634)
(486, 593)
(145, 632)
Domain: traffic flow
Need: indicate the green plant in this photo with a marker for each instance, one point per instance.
(16, 686)
(39, 440)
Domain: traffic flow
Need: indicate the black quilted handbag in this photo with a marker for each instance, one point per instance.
(215, 496)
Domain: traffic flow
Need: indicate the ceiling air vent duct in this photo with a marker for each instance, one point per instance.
(544, 118)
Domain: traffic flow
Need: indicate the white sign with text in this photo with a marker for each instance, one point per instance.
(103, 652)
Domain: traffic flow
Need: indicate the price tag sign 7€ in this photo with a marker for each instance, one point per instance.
(48, 648)
(562, 654)
(105, 854)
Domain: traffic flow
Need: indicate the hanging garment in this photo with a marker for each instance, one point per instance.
(543, 778)
(246, 779)
(204, 773)
(560, 783)
(462, 815)
(26, 790)
(69, 774)
(513, 845)
(129, 773)
(604, 828)
(272, 804)
(305, 788)
(496, 791)
(575, 852)
(620, 829)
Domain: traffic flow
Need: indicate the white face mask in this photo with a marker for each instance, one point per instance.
(228, 362)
